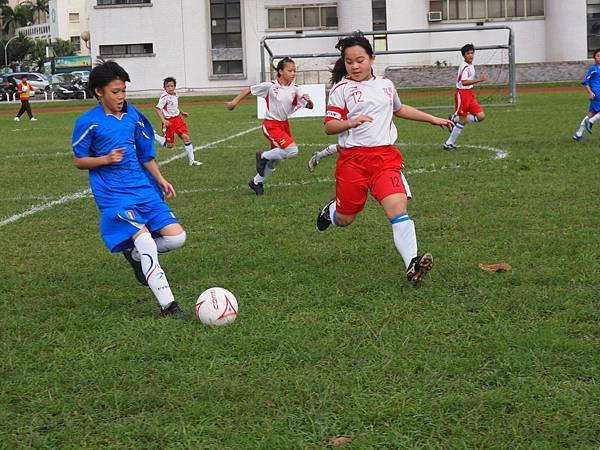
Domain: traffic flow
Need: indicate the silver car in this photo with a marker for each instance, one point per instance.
(38, 81)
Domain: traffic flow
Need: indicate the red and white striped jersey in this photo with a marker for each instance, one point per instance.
(466, 71)
(169, 105)
(281, 100)
(376, 97)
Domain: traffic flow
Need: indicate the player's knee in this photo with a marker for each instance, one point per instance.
(343, 220)
(290, 152)
(173, 242)
(481, 116)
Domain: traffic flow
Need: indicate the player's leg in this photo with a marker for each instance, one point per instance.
(459, 119)
(169, 134)
(189, 147)
(28, 110)
(162, 141)
(316, 157)
(22, 110)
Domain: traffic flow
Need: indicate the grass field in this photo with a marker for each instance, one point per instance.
(330, 339)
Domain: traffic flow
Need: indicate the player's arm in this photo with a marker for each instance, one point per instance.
(233, 103)
(164, 185)
(410, 113)
(339, 126)
(309, 102)
(162, 117)
(91, 162)
(476, 81)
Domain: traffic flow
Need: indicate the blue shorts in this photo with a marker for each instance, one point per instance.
(117, 226)
(595, 104)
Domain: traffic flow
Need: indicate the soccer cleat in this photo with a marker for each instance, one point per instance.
(173, 310)
(449, 147)
(418, 267)
(313, 162)
(137, 267)
(195, 163)
(323, 219)
(33, 119)
(17, 119)
(261, 163)
(588, 125)
(258, 188)
(577, 138)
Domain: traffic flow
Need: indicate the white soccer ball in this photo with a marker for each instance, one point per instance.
(216, 306)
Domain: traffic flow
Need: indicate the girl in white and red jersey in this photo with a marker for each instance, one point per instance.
(283, 97)
(466, 108)
(170, 115)
(360, 110)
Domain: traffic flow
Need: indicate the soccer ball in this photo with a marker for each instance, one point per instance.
(216, 306)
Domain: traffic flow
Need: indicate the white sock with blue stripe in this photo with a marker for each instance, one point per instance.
(157, 280)
(405, 237)
(189, 148)
(472, 118)
(455, 133)
(332, 213)
(579, 132)
(593, 119)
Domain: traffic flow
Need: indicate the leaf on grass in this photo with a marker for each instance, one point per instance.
(484, 369)
(271, 404)
(110, 347)
(500, 267)
(341, 440)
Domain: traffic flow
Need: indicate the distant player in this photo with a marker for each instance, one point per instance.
(114, 142)
(25, 90)
(591, 84)
(283, 97)
(169, 113)
(466, 107)
(360, 110)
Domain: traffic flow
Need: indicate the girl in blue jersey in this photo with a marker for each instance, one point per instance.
(115, 143)
(591, 83)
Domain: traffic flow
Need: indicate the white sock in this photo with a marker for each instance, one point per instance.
(332, 213)
(455, 133)
(157, 280)
(160, 139)
(258, 179)
(327, 151)
(274, 154)
(594, 118)
(579, 132)
(471, 118)
(165, 244)
(189, 148)
(405, 237)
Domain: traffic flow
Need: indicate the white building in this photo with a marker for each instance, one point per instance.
(68, 19)
(215, 44)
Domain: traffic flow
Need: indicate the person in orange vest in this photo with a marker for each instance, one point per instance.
(25, 90)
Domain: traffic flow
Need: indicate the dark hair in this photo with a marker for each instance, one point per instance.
(596, 52)
(467, 48)
(169, 80)
(357, 38)
(23, 77)
(281, 64)
(104, 73)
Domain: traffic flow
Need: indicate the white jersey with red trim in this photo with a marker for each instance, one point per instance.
(466, 71)
(169, 105)
(377, 98)
(281, 100)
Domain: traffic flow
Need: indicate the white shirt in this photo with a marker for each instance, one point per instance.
(376, 97)
(466, 71)
(169, 105)
(281, 100)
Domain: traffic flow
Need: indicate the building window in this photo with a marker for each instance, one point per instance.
(379, 24)
(303, 17)
(487, 9)
(121, 2)
(73, 17)
(593, 27)
(76, 41)
(226, 37)
(125, 50)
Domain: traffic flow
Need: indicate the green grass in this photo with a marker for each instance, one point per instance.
(330, 339)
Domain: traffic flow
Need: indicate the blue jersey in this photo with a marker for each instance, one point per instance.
(127, 182)
(592, 79)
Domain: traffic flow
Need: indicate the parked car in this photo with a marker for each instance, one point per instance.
(38, 81)
(66, 86)
(8, 86)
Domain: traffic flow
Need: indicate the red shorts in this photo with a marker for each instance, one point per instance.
(278, 133)
(177, 125)
(465, 103)
(360, 169)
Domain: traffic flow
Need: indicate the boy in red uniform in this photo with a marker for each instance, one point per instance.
(170, 115)
(25, 91)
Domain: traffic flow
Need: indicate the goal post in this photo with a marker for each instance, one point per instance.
(425, 74)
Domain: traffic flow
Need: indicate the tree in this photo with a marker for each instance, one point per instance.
(39, 9)
(13, 18)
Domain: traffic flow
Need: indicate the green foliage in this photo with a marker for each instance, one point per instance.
(330, 339)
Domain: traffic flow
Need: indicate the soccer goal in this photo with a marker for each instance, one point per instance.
(422, 63)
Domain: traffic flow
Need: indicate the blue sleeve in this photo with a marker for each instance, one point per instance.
(144, 139)
(588, 78)
(83, 135)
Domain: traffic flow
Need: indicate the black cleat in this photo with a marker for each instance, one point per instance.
(323, 219)
(418, 267)
(258, 188)
(173, 310)
(137, 267)
(261, 163)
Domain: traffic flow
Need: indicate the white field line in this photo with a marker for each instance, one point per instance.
(498, 154)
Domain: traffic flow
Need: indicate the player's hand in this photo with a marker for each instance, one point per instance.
(592, 96)
(167, 188)
(306, 97)
(166, 123)
(444, 123)
(230, 105)
(115, 155)
(360, 120)
(484, 78)
(185, 114)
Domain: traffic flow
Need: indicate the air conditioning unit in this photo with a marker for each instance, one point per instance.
(434, 16)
